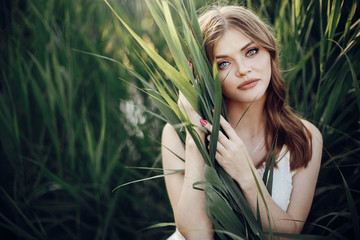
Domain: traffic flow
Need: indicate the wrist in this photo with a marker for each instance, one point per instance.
(248, 181)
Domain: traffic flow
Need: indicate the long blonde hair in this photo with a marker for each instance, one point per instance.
(281, 121)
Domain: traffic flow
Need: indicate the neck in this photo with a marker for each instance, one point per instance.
(252, 123)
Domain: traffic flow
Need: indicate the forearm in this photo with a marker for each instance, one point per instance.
(279, 219)
(190, 215)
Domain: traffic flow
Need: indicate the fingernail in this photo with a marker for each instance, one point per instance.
(212, 111)
(203, 122)
(190, 64)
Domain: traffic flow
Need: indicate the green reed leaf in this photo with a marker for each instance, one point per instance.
(175, 171)
(269, 167)
(263, 199)
(352, 206)
(179, 79)
(353, 74)
(216, 118)
(23, 215)
(258, 214)
(160, 225)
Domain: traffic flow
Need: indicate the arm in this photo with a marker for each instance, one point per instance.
(187, 203)
(304, 183)
(234, 158)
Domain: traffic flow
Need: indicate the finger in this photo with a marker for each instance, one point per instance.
(219, 144)
(220, 148)
(221, 137)
(206, 125)
(191, 66)
(230, 132)
(180, 98)
(218, 157)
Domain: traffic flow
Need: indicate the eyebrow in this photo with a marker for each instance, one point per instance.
(242, 49)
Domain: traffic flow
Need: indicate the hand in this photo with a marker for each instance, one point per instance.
(188, 110)
(185, 106)
(231, 152)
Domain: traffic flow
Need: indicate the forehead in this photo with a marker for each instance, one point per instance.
(232, 40)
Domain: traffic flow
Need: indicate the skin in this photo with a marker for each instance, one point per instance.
(235, 55)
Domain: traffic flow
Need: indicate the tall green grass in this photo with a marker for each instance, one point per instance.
(66, 137)
(321, 54)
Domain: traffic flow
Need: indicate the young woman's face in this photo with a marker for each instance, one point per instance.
(243, 65)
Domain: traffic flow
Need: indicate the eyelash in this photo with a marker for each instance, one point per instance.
(221, 63)
(253, 49)
(249, 53)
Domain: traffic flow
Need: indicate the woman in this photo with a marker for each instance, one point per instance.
(246, 55)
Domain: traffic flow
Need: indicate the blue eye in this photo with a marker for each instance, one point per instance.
(223, 65)
(252, 52)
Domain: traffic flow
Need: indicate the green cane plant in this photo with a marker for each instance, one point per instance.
(64, 135)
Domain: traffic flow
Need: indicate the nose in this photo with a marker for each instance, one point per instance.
(242, 68)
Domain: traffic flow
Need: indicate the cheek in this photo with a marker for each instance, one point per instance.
(264, 65)
(268, 63)
(228, 87)
(267, 70)
(225, 78)
(225, 86)
(224, 75)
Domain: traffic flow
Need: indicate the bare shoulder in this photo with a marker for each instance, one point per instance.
(169, 135)
(168, 129)
(317, 144)
(316, 134)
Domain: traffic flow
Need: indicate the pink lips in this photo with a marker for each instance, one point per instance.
(248, 84)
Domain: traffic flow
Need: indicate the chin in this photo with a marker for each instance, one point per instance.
(246, 97)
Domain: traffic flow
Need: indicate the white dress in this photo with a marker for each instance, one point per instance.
(281, 190)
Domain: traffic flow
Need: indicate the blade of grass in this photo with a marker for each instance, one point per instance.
(179, 79)
(178, 171)
(351, 205)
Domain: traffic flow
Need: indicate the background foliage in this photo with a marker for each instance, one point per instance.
(67, 135)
